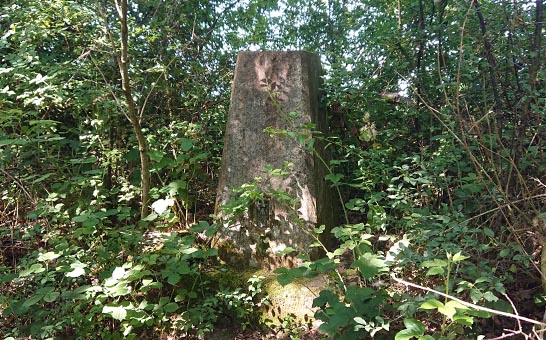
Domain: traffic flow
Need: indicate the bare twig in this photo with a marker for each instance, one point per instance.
(509, 335)
(468, 304)
(19, 184)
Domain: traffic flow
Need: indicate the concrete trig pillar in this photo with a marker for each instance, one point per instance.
(278, 90)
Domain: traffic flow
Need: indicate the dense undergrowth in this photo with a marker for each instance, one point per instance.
(444, 186)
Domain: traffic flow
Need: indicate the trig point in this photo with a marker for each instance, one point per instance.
(278, 91)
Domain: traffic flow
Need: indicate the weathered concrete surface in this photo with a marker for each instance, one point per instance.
(267, 88)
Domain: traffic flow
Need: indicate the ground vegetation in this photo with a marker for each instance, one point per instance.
(111, 125)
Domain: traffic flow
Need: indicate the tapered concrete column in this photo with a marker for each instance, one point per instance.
(281, 91)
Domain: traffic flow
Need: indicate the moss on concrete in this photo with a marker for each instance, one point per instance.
(293, 301)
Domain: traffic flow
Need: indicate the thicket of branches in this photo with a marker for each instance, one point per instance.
(109, 108)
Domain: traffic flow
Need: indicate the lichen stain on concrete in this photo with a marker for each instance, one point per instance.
(272, 76)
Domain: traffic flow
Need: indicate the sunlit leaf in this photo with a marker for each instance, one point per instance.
(48, 256)
(116, 312)
(118, 273)
(431, 304)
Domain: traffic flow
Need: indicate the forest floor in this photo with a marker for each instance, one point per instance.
(236, 333)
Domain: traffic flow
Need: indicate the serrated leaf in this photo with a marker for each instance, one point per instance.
(119, 290)
(200, 227)
(489, 296)
(162, 205)
(285, 251)
(156, 155)
(76, 294)
(334, 178)
(17, 141)
(150, 217)
(35, 268)
(80, 218)
(475, 295)
(90, 222)
(45, 290)
(325, 297)
(286, 276)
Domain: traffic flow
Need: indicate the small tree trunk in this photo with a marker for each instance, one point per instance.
(132, 114)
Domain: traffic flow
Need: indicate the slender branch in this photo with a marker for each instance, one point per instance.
(506, 205)
(133, 114)
(489, 55)
(468, 304)
(19, 184)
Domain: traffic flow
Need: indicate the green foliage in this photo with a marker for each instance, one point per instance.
(159, 286)
(436, 124)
